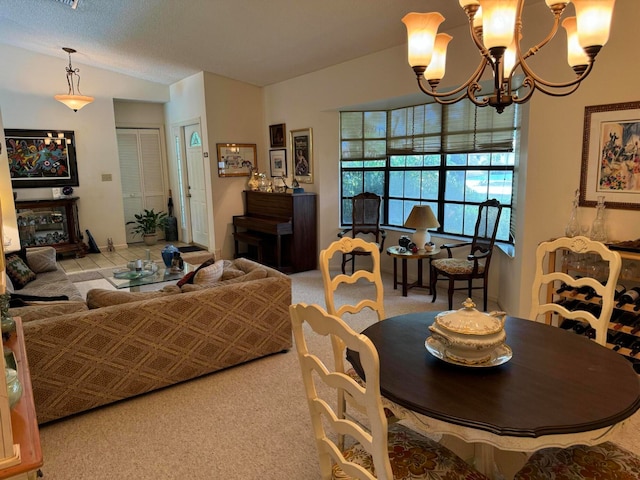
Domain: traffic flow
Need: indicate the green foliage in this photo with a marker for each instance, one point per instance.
(148, 222)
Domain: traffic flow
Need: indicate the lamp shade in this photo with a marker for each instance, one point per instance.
(74, 102)
(421, 218)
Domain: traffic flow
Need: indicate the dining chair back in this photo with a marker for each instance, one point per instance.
(476, 264)
(365, 223)
(373, 276)
(551, 270)
(376, 450)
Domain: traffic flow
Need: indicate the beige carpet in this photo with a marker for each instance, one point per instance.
(249, 422)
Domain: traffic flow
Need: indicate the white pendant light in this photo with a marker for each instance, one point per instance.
(74, 98)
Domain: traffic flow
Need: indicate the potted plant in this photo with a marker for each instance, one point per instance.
(147, 225)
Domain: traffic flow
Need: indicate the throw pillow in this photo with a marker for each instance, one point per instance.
(42, 259)
(210, 274)
(188, 278)
(232, 272)
(18, 271)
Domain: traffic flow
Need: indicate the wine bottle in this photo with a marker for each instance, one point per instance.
(635, 348)
(581, 327)
(620, 289)
(565, 287)
(623, 341)
(629, 297)
(635, 326)
(590, 293)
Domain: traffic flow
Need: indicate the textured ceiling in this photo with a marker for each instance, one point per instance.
(256, 41)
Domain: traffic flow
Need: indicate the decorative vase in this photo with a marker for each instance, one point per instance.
(167, 254)
(254, 181)
(14, 387)
(573, 226)
(598, 228)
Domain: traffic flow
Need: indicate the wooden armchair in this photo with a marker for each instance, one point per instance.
(476, 265)
(365, 223)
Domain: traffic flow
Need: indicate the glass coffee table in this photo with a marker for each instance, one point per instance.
(134, 280)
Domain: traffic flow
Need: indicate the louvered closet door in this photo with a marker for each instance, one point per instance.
(142, 174)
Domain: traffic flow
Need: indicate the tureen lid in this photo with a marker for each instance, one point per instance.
(468, 320)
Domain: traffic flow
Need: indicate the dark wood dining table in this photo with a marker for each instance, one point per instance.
(558, 389)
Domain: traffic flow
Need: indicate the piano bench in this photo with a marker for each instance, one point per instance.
(249, 238)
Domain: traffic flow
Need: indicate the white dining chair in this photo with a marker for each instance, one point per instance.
(549, 270)
(332, 284)
(342, 296)
(606, 460)
(375, 449)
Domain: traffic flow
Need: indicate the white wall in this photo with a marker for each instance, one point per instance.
(550, 167)
(26, 100)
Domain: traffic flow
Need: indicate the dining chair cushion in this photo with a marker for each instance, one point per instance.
(413, 457)
(457, 266)
(603, 461)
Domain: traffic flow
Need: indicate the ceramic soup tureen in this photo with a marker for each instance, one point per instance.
(467, 335)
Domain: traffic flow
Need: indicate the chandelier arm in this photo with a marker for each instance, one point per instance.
(533, 50)
(540, 81)
(569, 90)
(70, 82)
(471, 13)
(473, 79)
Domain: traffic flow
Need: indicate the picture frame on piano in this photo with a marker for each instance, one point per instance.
(301, 142)
(278, 162)
(236, 159)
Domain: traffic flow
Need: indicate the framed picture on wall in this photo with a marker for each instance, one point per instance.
(611, 156)
(41, 158)
(278, 162)
(302, 154)
(236, 159)
(276, 135)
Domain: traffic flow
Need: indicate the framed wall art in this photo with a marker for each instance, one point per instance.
(41, 158)
(236, 159)
(302, 154)
(277, 135)
(611, 156)
(278, 162)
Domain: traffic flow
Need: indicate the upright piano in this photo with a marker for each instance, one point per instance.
(279, 230)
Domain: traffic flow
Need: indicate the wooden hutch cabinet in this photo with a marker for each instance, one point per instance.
(51, 222)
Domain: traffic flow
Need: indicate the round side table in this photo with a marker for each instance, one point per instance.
(396, 254)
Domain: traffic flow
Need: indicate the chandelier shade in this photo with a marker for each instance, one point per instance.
(73, 98)
(496, 28)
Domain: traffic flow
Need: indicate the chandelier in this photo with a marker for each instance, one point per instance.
(75, 101)
(496, 30)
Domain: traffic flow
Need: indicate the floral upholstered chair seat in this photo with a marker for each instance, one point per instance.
(457, 266)
(412, 457)
(606, 461)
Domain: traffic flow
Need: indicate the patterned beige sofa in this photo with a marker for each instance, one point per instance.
(94, 357)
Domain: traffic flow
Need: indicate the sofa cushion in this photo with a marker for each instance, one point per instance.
(98, 297)
(209, 274)
(256, 274)
(42, 259)
(18, 271)
(232, 272)
(39, 310)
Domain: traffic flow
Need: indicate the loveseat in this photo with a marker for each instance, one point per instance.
(128, 344)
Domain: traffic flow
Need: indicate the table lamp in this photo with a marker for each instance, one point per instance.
(421, 218)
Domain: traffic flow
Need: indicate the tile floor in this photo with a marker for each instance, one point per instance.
(117, 258)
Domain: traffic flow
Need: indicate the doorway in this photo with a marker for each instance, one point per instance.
(142, 173)
(191, 177)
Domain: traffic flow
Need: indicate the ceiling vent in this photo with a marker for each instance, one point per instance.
(70, 3)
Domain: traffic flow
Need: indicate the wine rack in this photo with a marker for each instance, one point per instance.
(624, 327)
